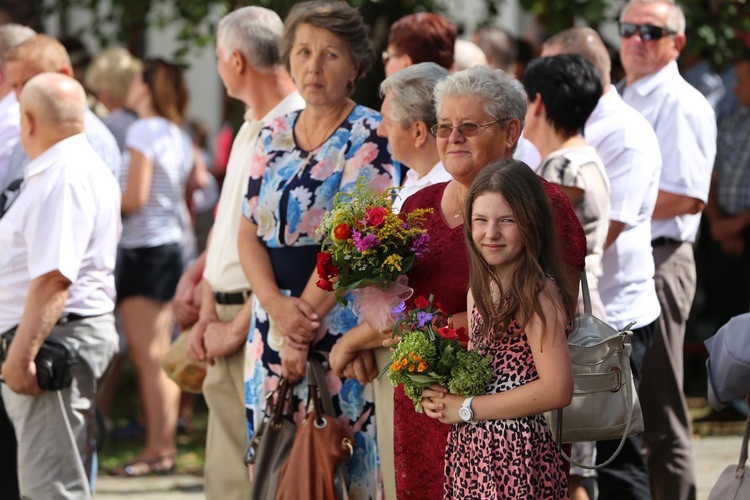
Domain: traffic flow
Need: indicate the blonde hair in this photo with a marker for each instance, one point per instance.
(43, 50)
(113, 71)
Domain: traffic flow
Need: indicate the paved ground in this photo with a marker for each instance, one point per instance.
(713, 454)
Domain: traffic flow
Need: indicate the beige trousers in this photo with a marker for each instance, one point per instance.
(383, 391)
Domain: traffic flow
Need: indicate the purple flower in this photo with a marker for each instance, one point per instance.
(423, 318)
(420, 245)
(398, 311)
(362, 244)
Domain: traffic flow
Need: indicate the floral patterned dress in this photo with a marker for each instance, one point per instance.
(288, 193)
(505, 459)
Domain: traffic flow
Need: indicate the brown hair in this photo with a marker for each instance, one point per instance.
(425, 37)
(339, 18)
(169, 95)
(541, 256)
(43, 50)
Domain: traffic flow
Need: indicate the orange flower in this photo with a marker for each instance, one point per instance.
(395, 366)
(421, 367)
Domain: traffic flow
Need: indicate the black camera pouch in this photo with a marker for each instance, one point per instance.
(54, 361)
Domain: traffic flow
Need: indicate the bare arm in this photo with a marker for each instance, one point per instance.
(670, 205)
(294, 317)
(138, 186)
(43, 307)
(553, 389)
(615, 228)
(185, 306)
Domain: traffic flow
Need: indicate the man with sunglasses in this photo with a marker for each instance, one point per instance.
(652, 34)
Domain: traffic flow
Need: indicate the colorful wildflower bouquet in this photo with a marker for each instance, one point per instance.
(431, 352)
(367, 249)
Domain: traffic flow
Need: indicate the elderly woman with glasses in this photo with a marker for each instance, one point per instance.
(480, 114)
(301, 160)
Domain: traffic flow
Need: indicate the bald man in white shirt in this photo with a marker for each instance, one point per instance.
(58, 244)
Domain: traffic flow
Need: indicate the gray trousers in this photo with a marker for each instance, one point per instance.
(226, 474)
(51, 462)
(668, 436)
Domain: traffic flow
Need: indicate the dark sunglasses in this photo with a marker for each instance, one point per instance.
(466, 129)
(647, 32)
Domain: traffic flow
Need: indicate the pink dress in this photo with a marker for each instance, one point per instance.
(505, 459)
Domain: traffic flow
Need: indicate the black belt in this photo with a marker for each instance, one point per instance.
(234, 298)
(67, 318)
(662, 241)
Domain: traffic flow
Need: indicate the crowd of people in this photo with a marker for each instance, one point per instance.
(535, 170)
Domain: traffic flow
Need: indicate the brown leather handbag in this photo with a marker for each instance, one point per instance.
(314, 468)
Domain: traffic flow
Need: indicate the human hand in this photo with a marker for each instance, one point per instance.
(293, 362)
(362, 367)
(20, 377)
(221, 340)
(340, 357)
(440, 405)
(734, 245)
(196, 348)
(726, 228)
(186, 307)
(294, 319)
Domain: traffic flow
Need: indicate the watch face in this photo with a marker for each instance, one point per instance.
(465, 413)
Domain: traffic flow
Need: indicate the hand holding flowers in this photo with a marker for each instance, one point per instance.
(431, 353)
(368, 248)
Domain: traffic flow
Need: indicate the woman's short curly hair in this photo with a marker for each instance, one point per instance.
(112, 71)
(339, 18)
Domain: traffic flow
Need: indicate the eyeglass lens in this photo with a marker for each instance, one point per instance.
(647, 32)
(467, 129)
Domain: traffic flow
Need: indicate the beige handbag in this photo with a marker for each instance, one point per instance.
(605, 403)
(180, 367)
(731, 484)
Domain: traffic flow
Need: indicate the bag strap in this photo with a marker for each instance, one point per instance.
(586, 293)
(316, 382)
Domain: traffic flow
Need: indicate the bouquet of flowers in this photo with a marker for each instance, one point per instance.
(368, 249)
(431, 352)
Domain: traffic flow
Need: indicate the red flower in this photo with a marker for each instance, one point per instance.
(447, 333)
(341, 232)
(375, 216)
(462, 335)
(325, 284)
(421, 303)
(325, 267)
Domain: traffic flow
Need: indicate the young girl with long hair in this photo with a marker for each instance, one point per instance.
(500, 445)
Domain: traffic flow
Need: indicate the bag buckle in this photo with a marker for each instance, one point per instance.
(618, 371)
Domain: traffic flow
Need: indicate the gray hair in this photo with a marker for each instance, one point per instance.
(58, 100)
(255, 32)
(12, 35)
(411, 92)
(675, 17)
(113, 71)
(502, 95)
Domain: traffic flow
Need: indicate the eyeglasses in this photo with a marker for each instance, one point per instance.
(387, 56)
(466, 129)
(647, 32)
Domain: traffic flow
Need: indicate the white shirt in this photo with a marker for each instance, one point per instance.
(223, 270)
(685, 126)
(170, 150)
(10, 131)
(630, 152)
(414, 183)
(66, 218)
(527, 153)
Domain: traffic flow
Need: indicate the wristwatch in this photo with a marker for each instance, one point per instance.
(465, 412)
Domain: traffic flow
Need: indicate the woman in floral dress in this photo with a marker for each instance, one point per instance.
(301, 161)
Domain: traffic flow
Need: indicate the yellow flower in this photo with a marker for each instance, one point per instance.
(393, 261)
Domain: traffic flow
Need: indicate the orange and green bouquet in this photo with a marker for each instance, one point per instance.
(366, 245)
(431, 352)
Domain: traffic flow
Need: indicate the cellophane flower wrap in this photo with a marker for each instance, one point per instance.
(431, 352)
(367, 249)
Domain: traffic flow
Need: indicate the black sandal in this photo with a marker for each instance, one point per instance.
(146, 467)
